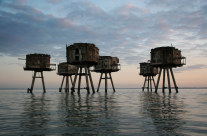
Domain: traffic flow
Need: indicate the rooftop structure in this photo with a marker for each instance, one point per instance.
(148, 71)
(167, 58)
(82, 55)
(66, 70)
(38, 63)
(106, 65)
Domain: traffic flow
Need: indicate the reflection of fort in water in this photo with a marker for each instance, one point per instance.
(35, 115)
(166, 111)
(89, 113)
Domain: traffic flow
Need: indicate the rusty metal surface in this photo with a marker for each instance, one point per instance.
(66, 69)
(107, 63)
(166, 56)
(37, 61)
(146, 69)
(82, 53)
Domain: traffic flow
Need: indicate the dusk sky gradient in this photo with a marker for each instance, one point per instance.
(127, 29)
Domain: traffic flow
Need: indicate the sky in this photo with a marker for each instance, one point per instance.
(127, 29)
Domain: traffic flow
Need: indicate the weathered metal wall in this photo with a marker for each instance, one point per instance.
(107, 63)
(64, 68)
(147, 69)
(82, 53)
(166, 56)
(37, 61)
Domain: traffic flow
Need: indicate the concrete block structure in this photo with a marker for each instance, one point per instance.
(106, 65)
(148, 71)
(38, 63)
(82, 55)
(167, 58)
(66, 70)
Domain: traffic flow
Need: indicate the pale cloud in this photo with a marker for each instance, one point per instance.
(128, 31)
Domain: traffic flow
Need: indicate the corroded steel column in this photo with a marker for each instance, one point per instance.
(163, 85)
(60, 89)
(169, 86)
(150, 83)
(33, 81)
(73, 86)
(158, 80)
(87, 84)
(79, 82)
(99, 82)
(89, 73)
(43, 84)
(112, 82)
(153, 81)
(105, 82)
(176, 88)
(144, 84)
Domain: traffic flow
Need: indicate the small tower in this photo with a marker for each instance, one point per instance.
(167, 58)
(106, 65)
(82, 55)
(38, 63)
(148, 71)
(66, 70)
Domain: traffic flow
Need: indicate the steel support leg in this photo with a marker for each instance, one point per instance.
(89, 73)
(43, 84)
(169, 86)
(153, 81)
(66, 83)
(99, 82)
(73, 87)
(176, 88)
(158, 80)
(60, 89)
(150, 83)
(71, 80)
(86, 75)
(79, 82)
(112, 82)
(33, 81)
(144, 83)
(105, 82)
(163, 85)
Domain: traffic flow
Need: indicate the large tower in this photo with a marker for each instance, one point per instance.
(148, 71)
(82, 55)
(66, 70)
(167, 58)
(38, 63)
(106, 65)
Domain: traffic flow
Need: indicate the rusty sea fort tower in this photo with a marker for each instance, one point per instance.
(166, 58)
(83, 56)
(66, 70)
(106, 65)
(148, 71)
(38, 63)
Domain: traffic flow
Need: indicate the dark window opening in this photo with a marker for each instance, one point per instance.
(77, 58)
(77, 51)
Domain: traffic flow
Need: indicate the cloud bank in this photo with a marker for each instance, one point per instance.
(127, 31)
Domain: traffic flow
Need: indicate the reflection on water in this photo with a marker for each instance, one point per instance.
(126, 112)
(165, 110)
(35, 114)
(88, 114)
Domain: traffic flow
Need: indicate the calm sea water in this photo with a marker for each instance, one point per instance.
(125, 112)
